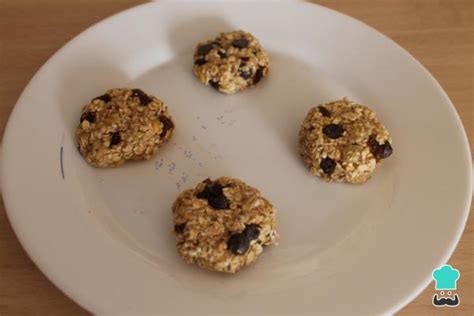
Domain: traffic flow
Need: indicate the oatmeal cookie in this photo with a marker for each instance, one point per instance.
(231, 62)
(121, 125)
(222, 225)
(343, 141)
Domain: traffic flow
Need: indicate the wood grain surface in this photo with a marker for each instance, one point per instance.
(440, 34)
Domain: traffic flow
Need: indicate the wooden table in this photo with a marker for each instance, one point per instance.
(440, 34)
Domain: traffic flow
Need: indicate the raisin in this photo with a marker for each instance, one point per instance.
(333, 131)
(179, 228)
(115, 138)
(386, 150)
(215, 188)
(219, 202)
(258, 75)
(328, 165)
(238, 243)
(252, 231)
(204, 49)
(105, 97)
(373, 145)
(214, 84)
(167, 124)
(214, 194)
(200, 62)
(88, 116)
(204, 194)
(211, 189)
(245, 74)
(142, 96)
(379, 151)
(325, 112)
(240, 43)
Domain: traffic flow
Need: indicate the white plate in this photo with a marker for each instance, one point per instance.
(104, 236)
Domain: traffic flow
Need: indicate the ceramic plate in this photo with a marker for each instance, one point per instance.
(104, 236)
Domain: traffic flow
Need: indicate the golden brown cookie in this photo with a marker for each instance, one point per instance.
(343, 141)
(121, 125)
(222, 225)
(231, 62)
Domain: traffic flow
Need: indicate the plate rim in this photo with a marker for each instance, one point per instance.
(9, 203)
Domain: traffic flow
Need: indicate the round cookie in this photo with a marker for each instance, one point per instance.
(222, 225)
(231, 62)
(121, 125)
(343, 141)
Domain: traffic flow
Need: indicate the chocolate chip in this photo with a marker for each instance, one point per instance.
(179, 228)
(240, 43)
(252, 231)
(325, 112)
(245, 58)
(333, 131)
(167, 124)
(238, 243)
(214, 84)
(246, 74)
(204, 49)
(144, 98)
(105, 97)
(115, 139)
(214, 194)
(258, 75)
(380, 151)
(88, 116)
(328, 165)
(221, 54)
(200, 61)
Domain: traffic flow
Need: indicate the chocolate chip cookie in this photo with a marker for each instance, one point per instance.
(231, 62)
(343, 141)
(222, 225)
(121, 125)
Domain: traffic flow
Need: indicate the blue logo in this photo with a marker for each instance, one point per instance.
(445, 278)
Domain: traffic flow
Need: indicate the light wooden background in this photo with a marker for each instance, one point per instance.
(438, 33)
